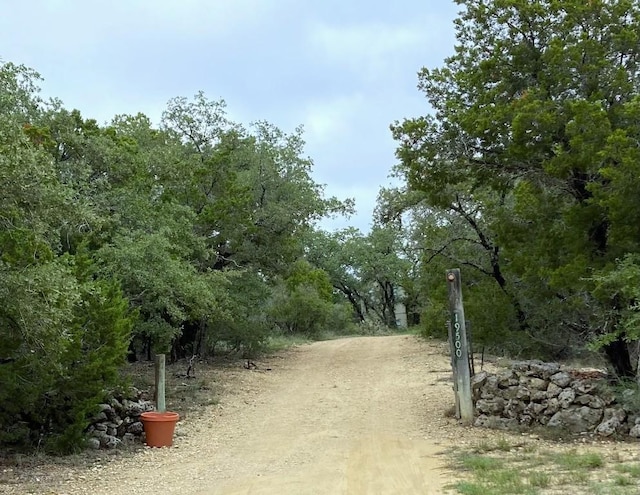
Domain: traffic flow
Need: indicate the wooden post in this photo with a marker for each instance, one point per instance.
(459, 348)
(160, 380)
(453, 366)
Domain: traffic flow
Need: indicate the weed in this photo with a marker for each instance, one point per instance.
(450, 412)
(539, 479)
(480, 463)
(500, 469)
(627, 394)
(503, 445)
(574, 478)
(467, 488)
(622, 480)
(572, 460)
(632, 470)
(507, 479)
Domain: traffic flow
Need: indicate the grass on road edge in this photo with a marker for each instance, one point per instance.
(504, 468)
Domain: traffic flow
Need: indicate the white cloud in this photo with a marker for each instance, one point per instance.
(325, 120)
(370, 47)
(139, 25)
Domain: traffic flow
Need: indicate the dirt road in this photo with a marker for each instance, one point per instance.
(349, 416)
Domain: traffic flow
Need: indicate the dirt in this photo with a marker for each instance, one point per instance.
(353, 416)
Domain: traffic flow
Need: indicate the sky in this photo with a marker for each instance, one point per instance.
(343, 69)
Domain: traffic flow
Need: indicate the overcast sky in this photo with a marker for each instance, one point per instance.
(344, 69)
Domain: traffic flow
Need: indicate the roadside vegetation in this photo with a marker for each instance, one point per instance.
(505, 467)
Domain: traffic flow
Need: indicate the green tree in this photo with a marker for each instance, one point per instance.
(64, 333)
(539, 106)
(303, 303)
(367, 269)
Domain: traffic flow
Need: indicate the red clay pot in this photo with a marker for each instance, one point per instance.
(159, 427)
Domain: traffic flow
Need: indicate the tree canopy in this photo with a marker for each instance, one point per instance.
(128, 239)
(529, 163)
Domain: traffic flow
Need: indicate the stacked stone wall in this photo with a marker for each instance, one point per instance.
(119, 420)
(534, 393)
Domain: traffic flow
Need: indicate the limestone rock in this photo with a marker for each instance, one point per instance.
(534, 409)
(590, 416)
(128, 438)
(538, 395)
(100, 427)
(135, 428)
(553, 390)
(109, 442)
(490, 406)
(478, 380)
(553, 406)
(543, 370)
(584, 386)
(93, 443)
(132, 408)
(507, 378)
(596, 402)
(566, 397)
(101, 416)
(583, 399)
(576, 420)
(510, 392)
(561, 379)
(615, 412)
(482, 421)
(635, 431)
(514, 408)
(523, 393)
(533, 383)
(608, 427)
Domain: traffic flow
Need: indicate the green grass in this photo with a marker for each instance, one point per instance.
(572, 460)
(622, 480)
(503, 467)
(479, 463)
(632, 470)
(540, 480)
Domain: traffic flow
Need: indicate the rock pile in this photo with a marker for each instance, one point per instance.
(119, 420)
(536, 393)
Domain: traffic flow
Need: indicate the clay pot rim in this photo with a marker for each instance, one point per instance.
(159, 416)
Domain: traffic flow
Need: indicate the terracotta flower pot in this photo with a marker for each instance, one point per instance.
(159, 427)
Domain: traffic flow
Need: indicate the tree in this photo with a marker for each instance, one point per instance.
(64, 333)
(366, 269)
(539, 106)
(124, 237)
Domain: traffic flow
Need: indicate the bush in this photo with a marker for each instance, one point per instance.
(54, 382)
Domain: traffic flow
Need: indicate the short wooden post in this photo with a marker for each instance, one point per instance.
(459, 348)
(160, 381)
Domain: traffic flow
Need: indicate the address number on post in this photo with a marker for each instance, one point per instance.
(457, 337)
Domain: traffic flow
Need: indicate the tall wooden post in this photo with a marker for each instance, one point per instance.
(160, 381)
(459, 348)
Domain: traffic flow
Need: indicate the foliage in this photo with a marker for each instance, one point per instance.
(98, 339)
(529, 164)
(128, 239)
(368, 270)
(300, 311)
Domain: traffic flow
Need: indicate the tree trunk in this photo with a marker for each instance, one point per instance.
(618, 355)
